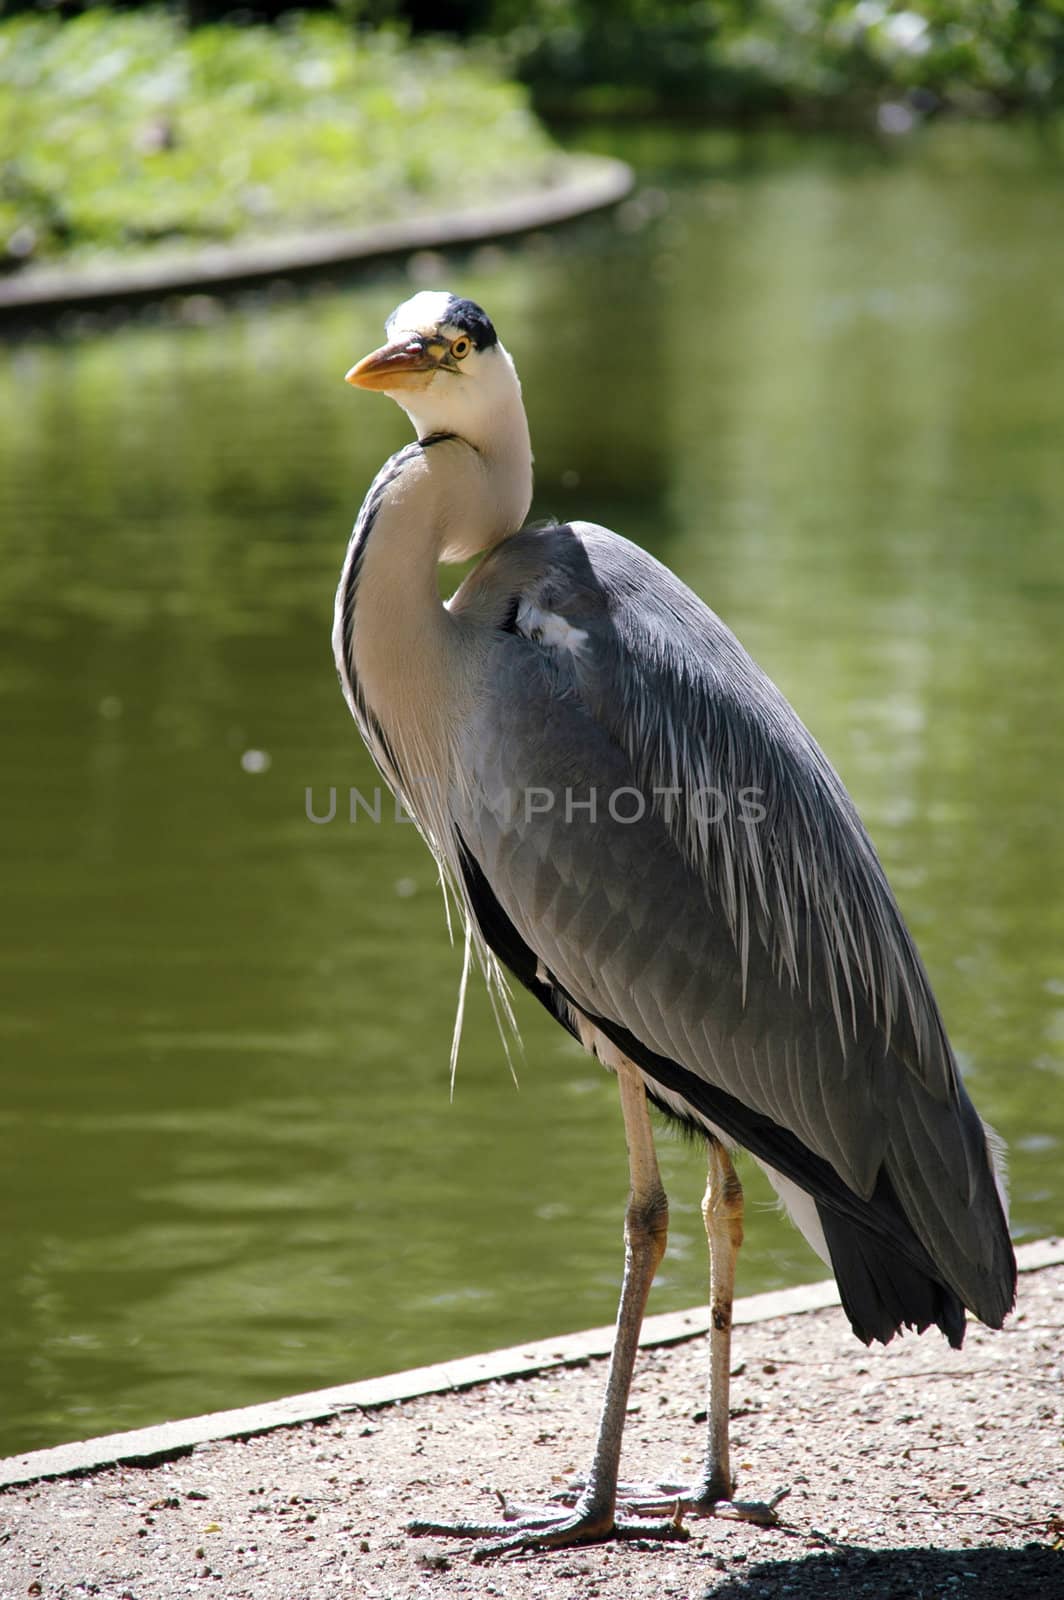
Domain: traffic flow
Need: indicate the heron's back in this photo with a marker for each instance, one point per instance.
(700, 887)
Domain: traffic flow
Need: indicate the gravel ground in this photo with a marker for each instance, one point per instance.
(915, 1472)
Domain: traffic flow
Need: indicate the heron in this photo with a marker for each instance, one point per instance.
(637, 827)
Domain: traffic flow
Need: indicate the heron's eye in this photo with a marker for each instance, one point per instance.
(461, 347)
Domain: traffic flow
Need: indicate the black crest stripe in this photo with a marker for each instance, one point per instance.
(468, 318)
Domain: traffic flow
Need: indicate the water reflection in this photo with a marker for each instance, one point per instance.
(825, 387)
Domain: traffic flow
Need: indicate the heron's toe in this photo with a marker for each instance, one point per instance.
(670, 1499)
(528, 1529)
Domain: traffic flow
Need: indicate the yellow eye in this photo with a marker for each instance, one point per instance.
(461, 347)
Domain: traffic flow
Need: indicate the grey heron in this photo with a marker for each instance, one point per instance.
(637, 826)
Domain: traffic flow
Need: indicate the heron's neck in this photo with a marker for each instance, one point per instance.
(399, 649)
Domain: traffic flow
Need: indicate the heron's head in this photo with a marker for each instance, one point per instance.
(444, 365)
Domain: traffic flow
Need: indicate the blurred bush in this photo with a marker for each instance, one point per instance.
(120, 128)
(128, 127)
(729, 58)
(748, 57)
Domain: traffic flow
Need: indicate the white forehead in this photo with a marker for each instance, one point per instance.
(422, 313)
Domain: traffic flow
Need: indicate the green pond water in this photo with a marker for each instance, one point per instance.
(823, 381)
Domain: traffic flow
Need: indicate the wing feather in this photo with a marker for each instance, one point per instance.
(757, 948)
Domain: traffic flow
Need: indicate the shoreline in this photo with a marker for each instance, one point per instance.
(167, 1441)
(912, 1470)
(596, 183)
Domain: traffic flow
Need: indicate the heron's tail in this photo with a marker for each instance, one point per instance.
(882, 1292)
(942, 1176)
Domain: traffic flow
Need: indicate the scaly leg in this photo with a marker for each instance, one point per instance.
(645, 1228)
(722, 1213)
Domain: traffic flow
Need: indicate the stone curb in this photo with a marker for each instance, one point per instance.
(597, 182)
(168, 1440)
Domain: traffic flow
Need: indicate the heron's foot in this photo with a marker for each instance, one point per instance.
(701, 1500)
(525, 1528)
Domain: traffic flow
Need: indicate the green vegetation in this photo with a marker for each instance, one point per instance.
(121, 129)
(815, 58)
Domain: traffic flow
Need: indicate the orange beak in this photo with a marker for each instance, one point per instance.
(404, 365)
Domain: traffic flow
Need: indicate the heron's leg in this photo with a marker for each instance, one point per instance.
(722, 1213)
(645, 1230)
(646, 1226)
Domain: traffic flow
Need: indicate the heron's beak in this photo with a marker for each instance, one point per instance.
(408, 364)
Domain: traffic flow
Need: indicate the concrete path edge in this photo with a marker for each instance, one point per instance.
(593, 184)
(168, 1440)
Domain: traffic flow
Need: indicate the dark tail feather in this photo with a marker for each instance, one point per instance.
(882, 1291)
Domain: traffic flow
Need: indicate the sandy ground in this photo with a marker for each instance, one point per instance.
(915, 1472)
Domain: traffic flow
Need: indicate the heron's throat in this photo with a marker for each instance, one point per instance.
(400, 652)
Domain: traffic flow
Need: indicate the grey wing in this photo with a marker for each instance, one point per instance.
(755, 966)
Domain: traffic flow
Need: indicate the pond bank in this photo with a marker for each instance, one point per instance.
(593, 184)
(910, 1468)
